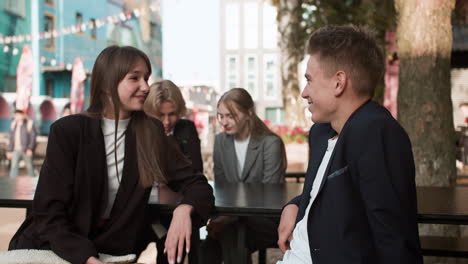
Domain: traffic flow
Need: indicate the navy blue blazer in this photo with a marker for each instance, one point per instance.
(186, 136)
(366, 209)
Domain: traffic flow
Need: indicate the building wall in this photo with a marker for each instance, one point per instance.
(249, 53)
(57, 54)
(12, 23)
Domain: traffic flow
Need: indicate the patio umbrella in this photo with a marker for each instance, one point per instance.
(24, 77)
(77, 86)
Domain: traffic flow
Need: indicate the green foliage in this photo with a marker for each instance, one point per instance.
(378, 14)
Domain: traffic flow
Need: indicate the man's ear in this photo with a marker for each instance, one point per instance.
(341, 80)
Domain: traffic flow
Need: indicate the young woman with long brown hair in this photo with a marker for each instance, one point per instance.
(246, 151)
(99, 168)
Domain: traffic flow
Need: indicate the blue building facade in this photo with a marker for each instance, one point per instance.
(67, 30)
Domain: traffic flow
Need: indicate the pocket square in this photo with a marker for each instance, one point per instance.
(338, 172)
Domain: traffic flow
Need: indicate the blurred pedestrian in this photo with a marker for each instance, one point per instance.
(21, 143)
(66, 110)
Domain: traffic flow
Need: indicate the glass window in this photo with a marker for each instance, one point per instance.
(16, 7)
(49, 87)
(232, 64)
(49, 27)
(232, 74)
(154, 31)
(270, 28)
(49, 2)
(275, 115)
(270, 75)
(93, 28)
(252, 75)
(78, 21)
(9, 83)
(232, 25)
(250, 25)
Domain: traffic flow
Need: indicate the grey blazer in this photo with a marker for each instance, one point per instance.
(262, 161)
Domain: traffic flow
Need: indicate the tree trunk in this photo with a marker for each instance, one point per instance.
(292, 52)
(424, 41)
(424, 37)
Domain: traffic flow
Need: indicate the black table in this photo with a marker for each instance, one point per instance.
(241, 199)
(438, 205)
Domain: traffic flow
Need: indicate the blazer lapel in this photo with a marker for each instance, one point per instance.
(130, 176)
(317, 150)
(96, 164)
(250, 157)
(230, 161)
(327, 171)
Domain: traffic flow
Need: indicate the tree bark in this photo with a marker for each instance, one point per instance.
(292, 52)
(424, 40)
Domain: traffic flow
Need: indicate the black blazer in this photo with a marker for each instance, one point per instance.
(71, 194)
(187, 136)
(366, 210)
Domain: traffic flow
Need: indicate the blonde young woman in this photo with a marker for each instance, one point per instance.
(166, 103)
(247, 151)
(96, 179)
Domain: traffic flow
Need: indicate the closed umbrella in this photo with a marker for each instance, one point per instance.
(24, 78)
(77, 86)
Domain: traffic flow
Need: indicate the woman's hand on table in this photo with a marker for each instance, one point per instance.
(179, 233)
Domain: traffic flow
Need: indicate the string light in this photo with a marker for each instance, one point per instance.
(122, 16)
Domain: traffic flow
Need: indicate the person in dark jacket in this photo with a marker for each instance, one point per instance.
(166, 103)
(359, 204)
(22, 142)
(95, 182)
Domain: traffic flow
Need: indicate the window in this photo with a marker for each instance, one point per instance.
(113, 34)
(9, 84)
(50, 3)
(232, 25)
(15, 7)
(270, 29)
(232, 74)
(49, 86)
(251, 75)
(93, 28)
(49, 27)
(251, 25)
(78, 22)
(270, 74)
(154, 33)
(275, 115)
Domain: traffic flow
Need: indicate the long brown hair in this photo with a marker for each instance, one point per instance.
(110, 68)
(164, 91)
(241, 100)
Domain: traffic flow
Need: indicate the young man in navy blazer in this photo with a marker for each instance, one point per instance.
(359, 199)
